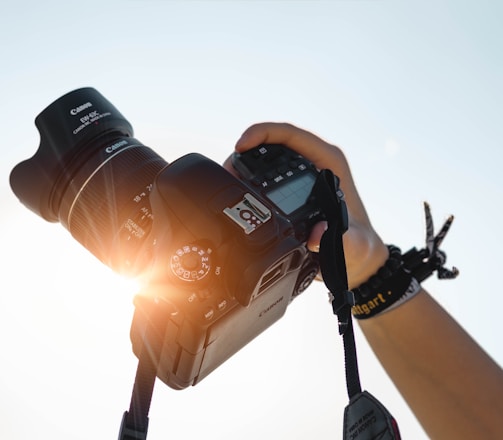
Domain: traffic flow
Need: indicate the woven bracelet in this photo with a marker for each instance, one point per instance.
(398, 280)
(392, 285)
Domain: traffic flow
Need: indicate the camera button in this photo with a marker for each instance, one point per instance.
(202, 294)
(222, 304)
(282, 169)
(209, 313)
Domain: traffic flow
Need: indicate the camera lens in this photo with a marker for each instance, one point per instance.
(106, 205)
(91, 175)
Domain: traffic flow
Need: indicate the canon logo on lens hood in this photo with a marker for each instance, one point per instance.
(77, 110)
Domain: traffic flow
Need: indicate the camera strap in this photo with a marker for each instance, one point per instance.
(365, 418)
(134, 424)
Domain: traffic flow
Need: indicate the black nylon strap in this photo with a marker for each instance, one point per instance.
(135, 421)
(134, 424)
(365, 418)
(330, 199)
(333, 268)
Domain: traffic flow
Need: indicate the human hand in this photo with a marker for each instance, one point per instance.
(364, 250)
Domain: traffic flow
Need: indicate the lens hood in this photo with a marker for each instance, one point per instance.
(70, 131)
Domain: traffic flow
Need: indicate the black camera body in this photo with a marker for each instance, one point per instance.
(220, 257)
(224, 270)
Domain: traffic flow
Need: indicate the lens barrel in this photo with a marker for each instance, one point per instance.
(106, 206)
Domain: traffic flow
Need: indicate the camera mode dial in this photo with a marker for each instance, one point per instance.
(191, 262)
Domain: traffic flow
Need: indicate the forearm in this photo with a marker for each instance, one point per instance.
(454, 388)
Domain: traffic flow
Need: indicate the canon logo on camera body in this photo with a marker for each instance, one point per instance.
(275, 303)
(77, 110)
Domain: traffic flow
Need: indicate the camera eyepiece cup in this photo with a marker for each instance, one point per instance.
(91, 175)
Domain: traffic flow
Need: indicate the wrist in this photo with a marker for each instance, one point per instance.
(368, 264)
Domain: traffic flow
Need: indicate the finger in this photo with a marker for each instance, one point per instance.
(228, 166)
(313, 242)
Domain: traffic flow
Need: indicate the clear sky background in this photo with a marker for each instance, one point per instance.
(412, 90)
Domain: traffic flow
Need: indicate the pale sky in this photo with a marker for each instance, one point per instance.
(411, 90)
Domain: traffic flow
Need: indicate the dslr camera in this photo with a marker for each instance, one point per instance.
(220, 257)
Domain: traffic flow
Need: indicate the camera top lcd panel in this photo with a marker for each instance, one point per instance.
(286, 179)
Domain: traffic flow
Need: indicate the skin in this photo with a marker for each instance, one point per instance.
(454, 388)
